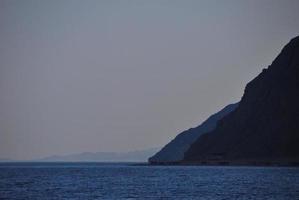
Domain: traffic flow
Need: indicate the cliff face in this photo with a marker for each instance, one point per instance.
(174, 150)
(266, 123)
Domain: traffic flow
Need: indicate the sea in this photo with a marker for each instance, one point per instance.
(113, 181)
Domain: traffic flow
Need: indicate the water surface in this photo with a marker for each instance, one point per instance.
(124, 181)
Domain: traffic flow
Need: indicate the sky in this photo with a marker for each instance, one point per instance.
(92, 76)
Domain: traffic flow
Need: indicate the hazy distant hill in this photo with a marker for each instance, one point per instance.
(133, 156)
(265, 126)
(5, 160)
(174, 150)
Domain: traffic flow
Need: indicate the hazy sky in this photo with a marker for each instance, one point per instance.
(80, 76)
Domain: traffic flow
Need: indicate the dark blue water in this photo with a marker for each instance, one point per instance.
(122, 181)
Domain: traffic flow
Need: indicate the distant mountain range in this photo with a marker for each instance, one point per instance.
(263, 128)
(5, 160)
(174, 150)
(133, 156)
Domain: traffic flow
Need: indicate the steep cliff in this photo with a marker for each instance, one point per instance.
(265, 126)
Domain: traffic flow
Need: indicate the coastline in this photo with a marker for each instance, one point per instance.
(279, 163)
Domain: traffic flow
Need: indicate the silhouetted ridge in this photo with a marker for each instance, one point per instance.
(174, 150)
(265, 126)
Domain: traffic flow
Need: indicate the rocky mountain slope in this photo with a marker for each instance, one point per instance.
(265, 126)
(174, 150)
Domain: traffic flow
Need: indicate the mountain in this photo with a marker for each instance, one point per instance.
(174, 150)
(133, 156)
(6, 160)
(265, 126)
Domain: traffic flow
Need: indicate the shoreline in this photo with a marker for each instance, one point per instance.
(182, 163)
(253, 163)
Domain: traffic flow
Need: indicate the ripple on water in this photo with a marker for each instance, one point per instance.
(98, 181)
